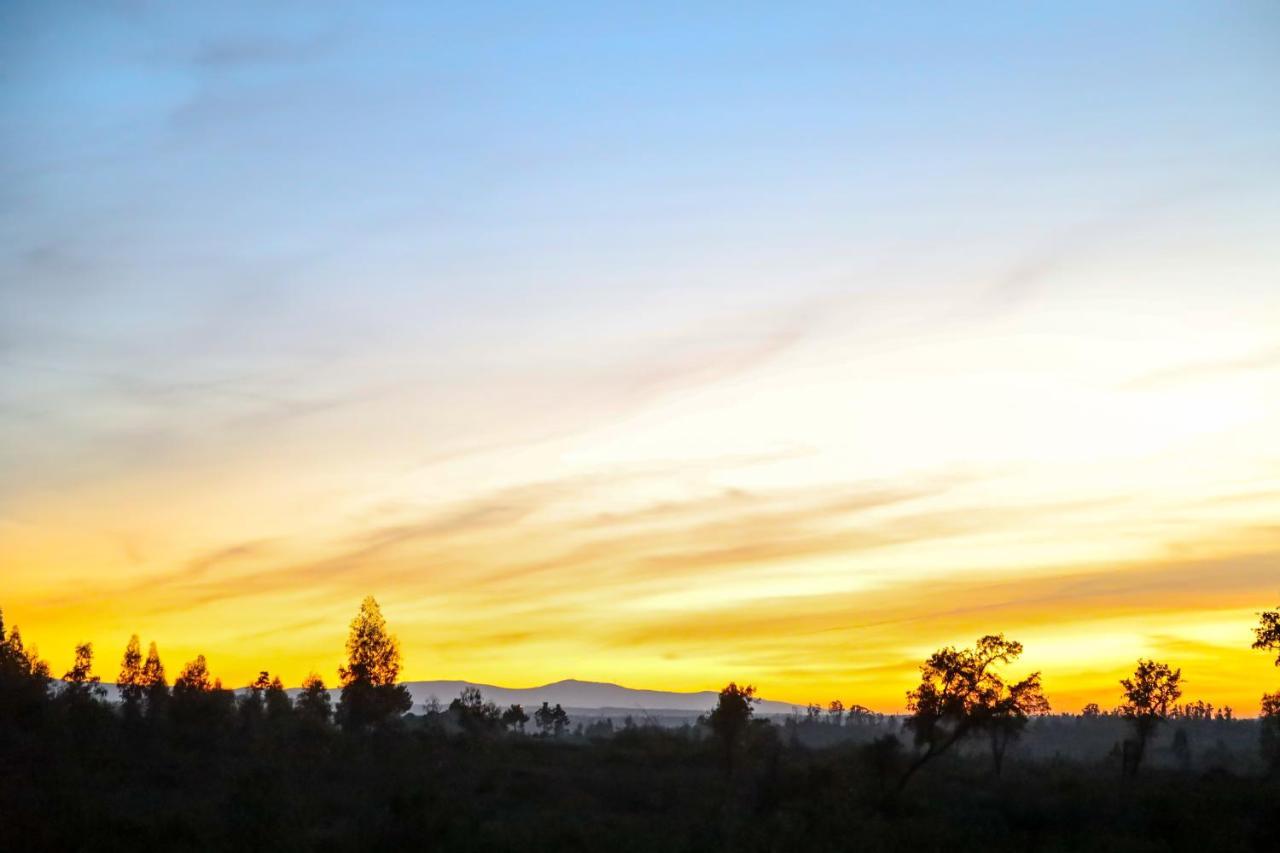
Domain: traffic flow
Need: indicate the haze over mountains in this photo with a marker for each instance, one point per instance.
(585, 695)
(569, 693)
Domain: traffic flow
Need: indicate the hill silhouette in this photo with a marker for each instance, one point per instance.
(587, 695)
(595, 696)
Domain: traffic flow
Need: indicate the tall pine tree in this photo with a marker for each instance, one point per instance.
(370, 694)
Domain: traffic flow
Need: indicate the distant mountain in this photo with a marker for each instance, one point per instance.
(586, 695)
(570, 693)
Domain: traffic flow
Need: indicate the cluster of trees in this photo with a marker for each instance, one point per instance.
(371, 694)
(197, 700)
(474, 715)
(962, 695)
(180, 762)
(837, 714)
(1267, 638)
(1197, 710)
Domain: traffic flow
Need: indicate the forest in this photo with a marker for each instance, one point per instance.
(977, 762)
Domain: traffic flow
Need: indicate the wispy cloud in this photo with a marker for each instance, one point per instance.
(1027, 278)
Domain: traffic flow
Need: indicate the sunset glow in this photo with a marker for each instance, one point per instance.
(789, 358)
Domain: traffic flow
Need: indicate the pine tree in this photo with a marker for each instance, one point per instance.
(129, 682)
(544, 719)
(370, 694)
(313, 703)
(81, 683)
(24, 681)
(251, 702)
(194, 678)
(154, 685)
(276, 700)
(559, 720)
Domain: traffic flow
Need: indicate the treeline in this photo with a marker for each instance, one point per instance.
(370, 696)
(961, 696)
(189, 764)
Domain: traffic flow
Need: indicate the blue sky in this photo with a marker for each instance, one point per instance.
(368, 262)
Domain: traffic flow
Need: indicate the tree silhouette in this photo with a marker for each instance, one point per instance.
(1148, 698)
(551, 721)
(858, 714)
(1269, 736)
(129, 681)
(732, 714)
(1267, 638)
(194, 679)
(153, 669)
(1197, 710)
(199, 705)
(276, 699)
(1007, 709)
(24, 680)
(960, 693)
(836, 712)
(1267, 634)
(370, 694)
(475, 715)
(255, 771)
(19, 659)
(251, 701)
(559, 720)
(314, 703)
(80, 683)
(544, 719)
(515, 718)
(264, 698)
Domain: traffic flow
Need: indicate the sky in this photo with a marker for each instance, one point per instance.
(666, 347)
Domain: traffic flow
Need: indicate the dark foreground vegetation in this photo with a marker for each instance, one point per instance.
(979, 764)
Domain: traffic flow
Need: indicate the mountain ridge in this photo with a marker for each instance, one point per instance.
(570, 693)
(576, 693)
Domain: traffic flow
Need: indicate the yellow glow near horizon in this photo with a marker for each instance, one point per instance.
(815, 525)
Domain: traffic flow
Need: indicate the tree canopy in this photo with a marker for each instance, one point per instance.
(370, 694)
(961, 693)
(1267, 634)
(1149, 696)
